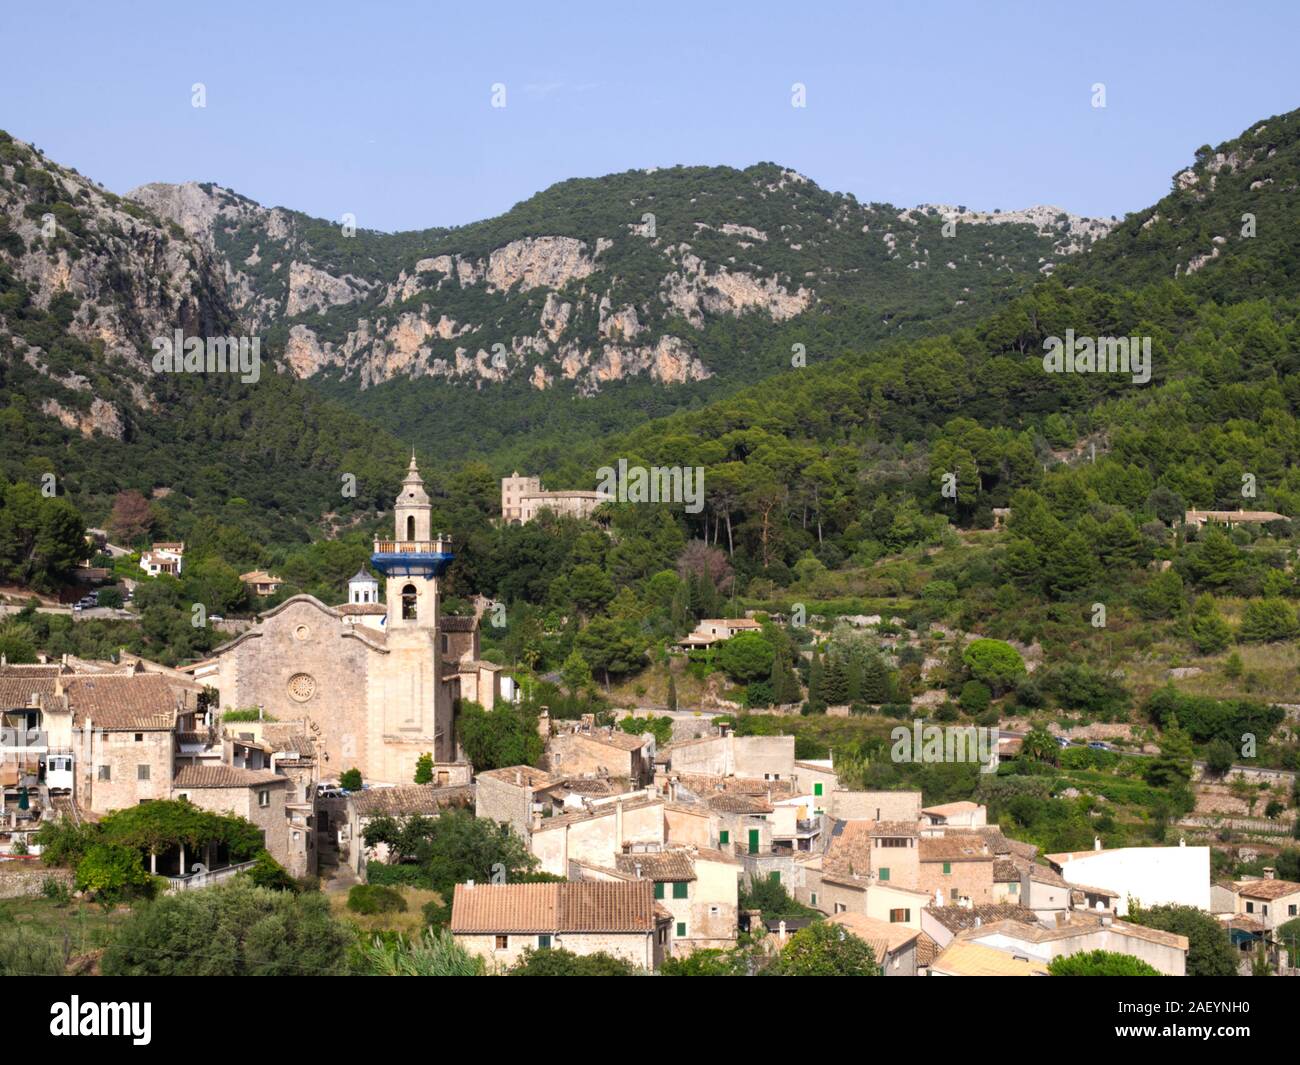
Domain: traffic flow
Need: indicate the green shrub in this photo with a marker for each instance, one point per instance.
(375, 898)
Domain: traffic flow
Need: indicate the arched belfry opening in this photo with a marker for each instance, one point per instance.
(410, 526)
(408, 602)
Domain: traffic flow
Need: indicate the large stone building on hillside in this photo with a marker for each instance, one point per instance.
(523, 498)
(379, 678)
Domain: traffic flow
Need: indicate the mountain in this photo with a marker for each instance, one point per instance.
(88, 281)
(654, 289)
(1228, 224)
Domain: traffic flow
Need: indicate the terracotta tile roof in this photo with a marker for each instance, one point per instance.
(849, 851)
(1266, 889)
(884, 937)
(362, 609)
(139, 701)
(892, 828)
(223, 776)
(624, 741)
(457, 623)
(522, 776)
(660, 866)
(926, 950)
(954, 849)
(709, 854)
(704, 784)
(17, 689)
(407, 799)
(573, 906)
(975, 959)
(959, 918)
(738, 804)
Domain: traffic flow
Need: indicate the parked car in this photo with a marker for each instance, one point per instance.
(1097, 745)
(330, 791)
(1061, 741)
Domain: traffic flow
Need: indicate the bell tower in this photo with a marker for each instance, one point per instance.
(412, 710)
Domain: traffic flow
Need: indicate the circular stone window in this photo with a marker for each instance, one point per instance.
(302, 686)
(301, 632)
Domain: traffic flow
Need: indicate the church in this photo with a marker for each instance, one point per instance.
(378, 677)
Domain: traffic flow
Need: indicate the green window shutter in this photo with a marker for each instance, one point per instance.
(659, 889)
(724, 837)
(817, 788)
(543, 942)
(753, 841)
(681, 929)
(679, 889)
(947, 868)
(884, 874)
(775, 878)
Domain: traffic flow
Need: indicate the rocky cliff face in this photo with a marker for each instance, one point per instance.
(624, 280)
(109, 275)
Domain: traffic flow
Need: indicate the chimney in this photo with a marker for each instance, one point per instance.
(537, 816)
(938, 897)
(1096, 843)
(1270, 873)
(469, 883)
(519, 778)
(637, 866)
(780, 930)
(978, 921)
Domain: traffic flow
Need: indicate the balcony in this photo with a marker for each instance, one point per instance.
(412, 558)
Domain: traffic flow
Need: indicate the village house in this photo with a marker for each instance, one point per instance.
(1074, 933)
(962, 814)
(607, 827)
(943, 923)
(964, 958)
(1230, 518)
(893, 945)
(261, 583)
(956, 869)
(259, 796)
(1152, 876)
(710, 631)
(698, 886)
(749, 757)
(1270, 901)
(163, 558)
(400, 803)
(580, 749)
(498, 922)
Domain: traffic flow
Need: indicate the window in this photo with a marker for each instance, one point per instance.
(724, 837)
(444, 643)
(1013, 888)
(900, 916)
(659, 889)
(774, 878)
(884, 874)
(105, 772)
(408, 603)
(543, 942)
(947, 868)
(817, 788)
(264, 797)
(679, 889)
(503, 942)
(139, 737)
(1250, 907)
(410, 527)
(184, 796)
(714, 911)
(814, 898)
(142, 772)
(840, 907)
(681, 929)
(1290, 910)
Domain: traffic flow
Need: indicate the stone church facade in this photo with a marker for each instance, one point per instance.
(381, 684)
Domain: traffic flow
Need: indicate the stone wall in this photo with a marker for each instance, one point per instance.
(21, 879)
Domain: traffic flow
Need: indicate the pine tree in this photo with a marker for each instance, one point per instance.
(876, 687)
(785, 685)
(816, 682)
(835, 681)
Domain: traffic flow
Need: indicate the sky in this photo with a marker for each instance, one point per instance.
(385, 110)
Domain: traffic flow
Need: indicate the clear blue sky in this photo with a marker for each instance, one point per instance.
(383, 109)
